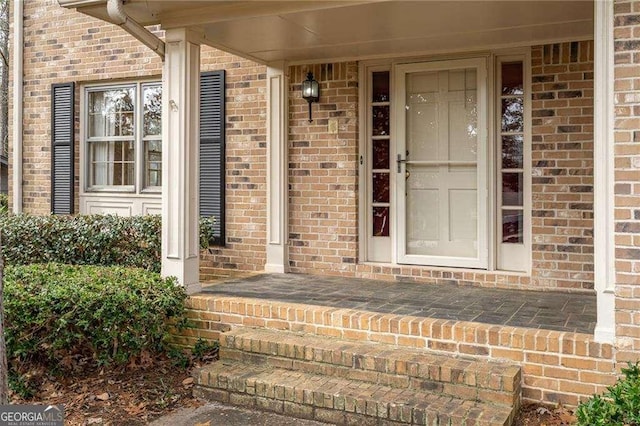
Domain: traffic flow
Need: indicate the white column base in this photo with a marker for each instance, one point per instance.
(278, 255)
(605, 327)
(187, 271)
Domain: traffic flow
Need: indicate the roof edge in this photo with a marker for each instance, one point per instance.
(80, 3)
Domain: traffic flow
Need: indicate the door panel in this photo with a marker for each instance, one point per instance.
(441, 183)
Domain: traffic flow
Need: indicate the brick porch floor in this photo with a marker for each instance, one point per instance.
(569, 312)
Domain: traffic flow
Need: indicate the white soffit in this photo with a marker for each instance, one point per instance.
(299, 31)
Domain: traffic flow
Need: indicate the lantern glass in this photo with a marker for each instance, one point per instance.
(310, 89)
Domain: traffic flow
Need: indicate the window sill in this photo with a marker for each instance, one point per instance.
(113, 190)
(153, 190)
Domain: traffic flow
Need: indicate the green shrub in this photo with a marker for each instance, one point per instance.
(618, 406)
(4, 204)
(108, 315)
(87, 239)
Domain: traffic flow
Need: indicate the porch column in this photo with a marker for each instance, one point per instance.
(277, 169)
(603, 188)
(180, 152)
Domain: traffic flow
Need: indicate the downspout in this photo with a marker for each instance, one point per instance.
(18, 57)
(115, 9)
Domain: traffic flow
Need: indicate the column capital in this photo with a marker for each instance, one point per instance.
(183, 34)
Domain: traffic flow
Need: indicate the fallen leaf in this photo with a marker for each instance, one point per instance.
(567, 418)
(187, 381)
(203, 424)
(542, 410)
(146, 360)
(94, 420)
(103, 396)
(136, 409)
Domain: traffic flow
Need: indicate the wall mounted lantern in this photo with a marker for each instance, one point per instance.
(310, 91)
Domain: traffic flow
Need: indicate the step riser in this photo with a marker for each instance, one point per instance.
(490, 378)
(292, 409)
(356, 371)
(324, 405)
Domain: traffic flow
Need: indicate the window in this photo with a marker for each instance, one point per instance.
(378, 164)
(122, 121)
(121, 149)
(512, 165)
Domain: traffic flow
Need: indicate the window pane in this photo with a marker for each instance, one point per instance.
(381, 221)
(512, 152)
(152, 104)
(112, 163)
(381, 187)
(380, 121)
(153, 163)
(111, 112)
(512, 78)
(512, 226)
(381, 86)
(512, 120)
(381, 154)
(512, 189)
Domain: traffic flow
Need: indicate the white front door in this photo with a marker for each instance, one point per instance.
(441, 163)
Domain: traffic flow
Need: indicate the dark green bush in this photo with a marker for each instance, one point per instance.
(108, 315)
(618, 406)
(4, 204)
(87, 239)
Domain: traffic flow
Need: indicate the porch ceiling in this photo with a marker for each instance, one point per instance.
(308, 31)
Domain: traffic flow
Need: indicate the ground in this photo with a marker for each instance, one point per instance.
(138, 394)
(131, 395)
(536, 415)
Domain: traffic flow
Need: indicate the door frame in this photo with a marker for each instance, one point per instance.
(481, 261)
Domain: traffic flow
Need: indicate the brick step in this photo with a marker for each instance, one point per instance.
(384, 364)
(339, 400)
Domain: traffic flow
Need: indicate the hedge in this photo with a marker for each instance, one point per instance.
(104, 314)
(87, 239)
(618, 406)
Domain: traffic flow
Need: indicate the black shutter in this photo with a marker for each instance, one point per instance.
(212, 167)
(62, 158)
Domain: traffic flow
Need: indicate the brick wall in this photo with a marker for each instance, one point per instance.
(63, 45)
(562, 156)
(627, 176)
(323, 171)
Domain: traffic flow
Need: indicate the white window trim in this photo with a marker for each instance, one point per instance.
(365, 70)
(525, 57)
(124, 200)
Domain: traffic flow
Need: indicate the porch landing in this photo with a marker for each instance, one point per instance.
(570, 312)
(549, 335)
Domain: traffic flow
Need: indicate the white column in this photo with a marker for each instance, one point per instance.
(277, 169)
(604, 179)
(180, 153)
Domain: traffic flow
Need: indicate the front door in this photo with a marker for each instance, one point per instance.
(441, 163)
